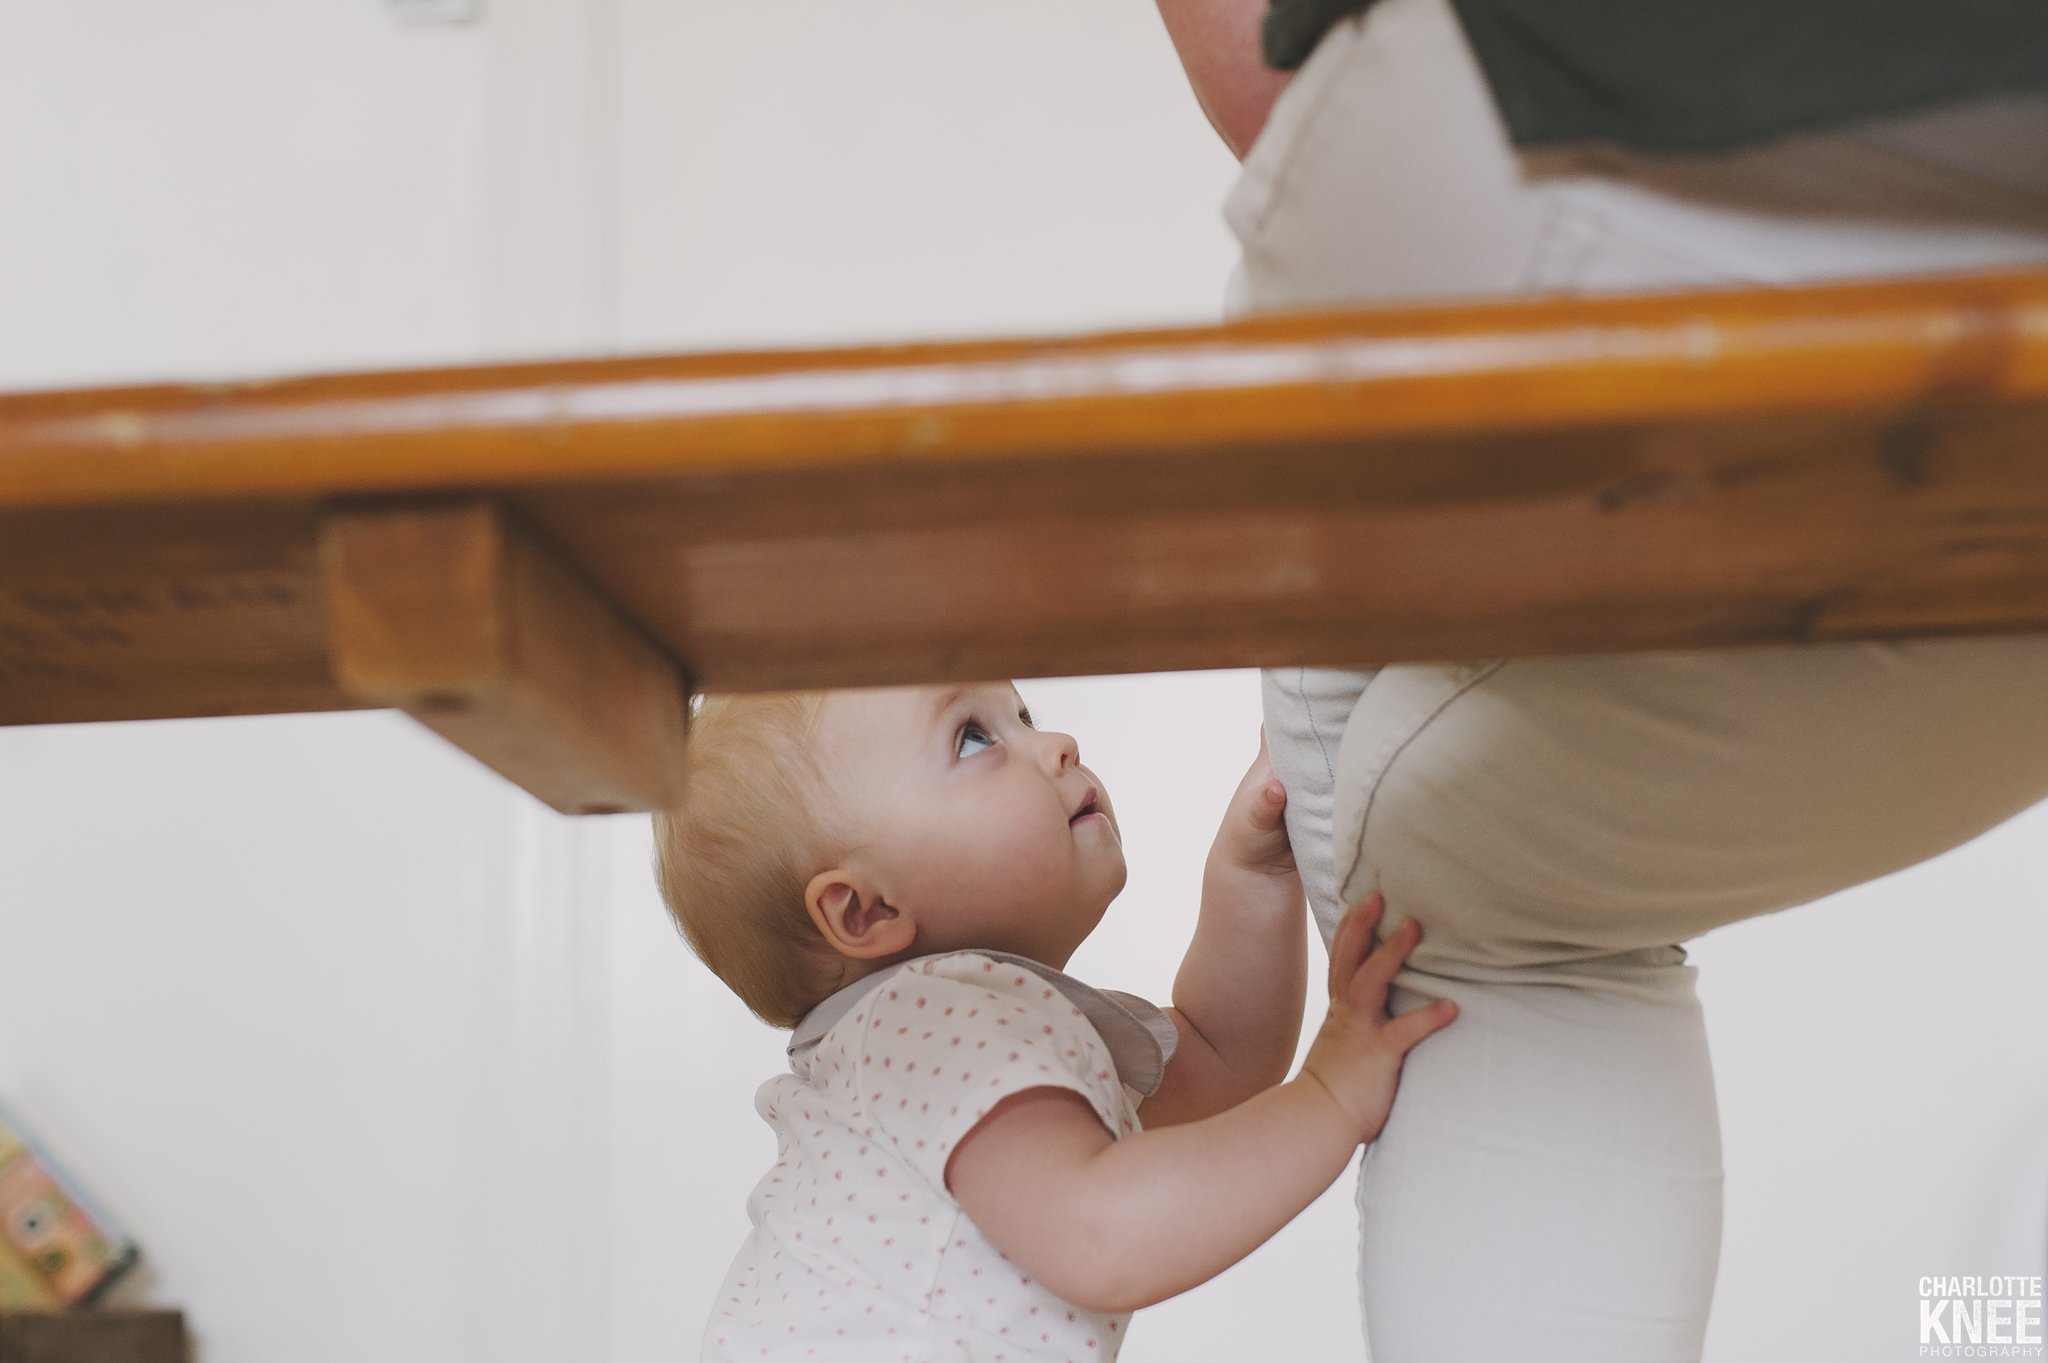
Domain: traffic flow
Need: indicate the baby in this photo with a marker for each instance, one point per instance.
(979, 1156)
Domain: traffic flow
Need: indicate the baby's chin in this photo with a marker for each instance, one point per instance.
(1108, 900)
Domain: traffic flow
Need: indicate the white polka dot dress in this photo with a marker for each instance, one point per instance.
(858, 1252)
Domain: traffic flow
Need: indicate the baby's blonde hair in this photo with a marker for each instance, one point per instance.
(733, 858)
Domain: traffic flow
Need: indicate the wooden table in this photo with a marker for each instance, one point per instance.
(541, 561)
(93, 1336)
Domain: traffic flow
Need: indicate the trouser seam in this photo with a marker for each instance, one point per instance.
(1386, 764)
(1308, 705)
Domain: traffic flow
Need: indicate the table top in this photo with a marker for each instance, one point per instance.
(1536, 476)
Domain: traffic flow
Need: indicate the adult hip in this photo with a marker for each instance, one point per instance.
(1548, 1185)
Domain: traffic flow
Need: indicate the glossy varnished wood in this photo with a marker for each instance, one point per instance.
(1255, 384)
(1539, 476)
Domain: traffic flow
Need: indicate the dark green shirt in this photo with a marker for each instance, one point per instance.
(1703, 75)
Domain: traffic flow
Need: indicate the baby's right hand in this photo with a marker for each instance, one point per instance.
(1357, 1055)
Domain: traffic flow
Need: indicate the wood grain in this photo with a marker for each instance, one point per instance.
(1542, 476)
(161, 612)
(455, 615)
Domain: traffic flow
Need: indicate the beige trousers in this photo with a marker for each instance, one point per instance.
(1548, 1187)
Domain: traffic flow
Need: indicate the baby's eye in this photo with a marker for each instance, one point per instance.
(970, 727)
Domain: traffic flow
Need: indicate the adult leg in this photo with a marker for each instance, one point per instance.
(1556, 824)
(1548, 1185)
(1306, 709)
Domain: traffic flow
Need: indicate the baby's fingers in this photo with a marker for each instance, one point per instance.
(1272, 798)
(1368, 988)
(1402, 1034)
(1352, 941)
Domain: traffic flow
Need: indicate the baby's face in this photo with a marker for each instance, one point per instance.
(965, 816)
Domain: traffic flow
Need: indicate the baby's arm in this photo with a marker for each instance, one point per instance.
(1118, 1225)
(1238, 998)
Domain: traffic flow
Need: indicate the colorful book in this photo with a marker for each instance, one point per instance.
(57, 1250)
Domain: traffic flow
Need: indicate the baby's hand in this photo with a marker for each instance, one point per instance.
(1254, 831)
(1357, 1055)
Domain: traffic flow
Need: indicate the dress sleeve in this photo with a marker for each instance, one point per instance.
(947, 1039)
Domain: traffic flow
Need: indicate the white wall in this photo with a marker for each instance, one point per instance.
(1881, 1059)
(381, 1060)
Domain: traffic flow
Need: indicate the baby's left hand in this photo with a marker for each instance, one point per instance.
(1254, 832)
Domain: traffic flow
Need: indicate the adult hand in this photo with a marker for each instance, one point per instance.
(1218, 45)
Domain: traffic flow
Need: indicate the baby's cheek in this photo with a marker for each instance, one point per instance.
(1038, 861)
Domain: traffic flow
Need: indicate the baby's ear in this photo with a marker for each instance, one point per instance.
(853, 918)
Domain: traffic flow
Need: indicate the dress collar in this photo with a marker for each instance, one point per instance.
(1141, 1038)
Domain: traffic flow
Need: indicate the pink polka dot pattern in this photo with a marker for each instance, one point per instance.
(857, 1248)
